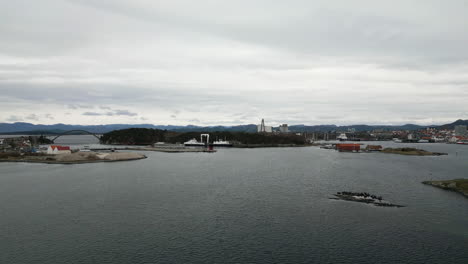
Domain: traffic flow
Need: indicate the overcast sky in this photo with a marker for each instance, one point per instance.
(233, 62)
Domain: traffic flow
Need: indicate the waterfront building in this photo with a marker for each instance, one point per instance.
(54, 149)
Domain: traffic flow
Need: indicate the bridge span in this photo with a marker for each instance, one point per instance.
(74, 131)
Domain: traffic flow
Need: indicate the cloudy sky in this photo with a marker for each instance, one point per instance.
(233, 62)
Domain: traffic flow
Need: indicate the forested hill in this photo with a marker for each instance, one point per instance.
(145, 136)
(134, 136)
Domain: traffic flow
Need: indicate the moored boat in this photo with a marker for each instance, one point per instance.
(221, 143)
(342, 137)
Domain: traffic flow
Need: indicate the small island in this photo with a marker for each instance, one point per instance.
(411, 152)
(70, 158)
(363, 197)
(457, 185)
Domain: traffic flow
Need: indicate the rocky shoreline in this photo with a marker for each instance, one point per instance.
(270, 145)
(457, 185)
(363, 197)
(411, 152)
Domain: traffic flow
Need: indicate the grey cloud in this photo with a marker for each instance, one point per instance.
(33, 117)
(92, 114)
(114, 113)
(124, 113)
(75, 106)
(320, 27)
(14, 118)
(195, 120)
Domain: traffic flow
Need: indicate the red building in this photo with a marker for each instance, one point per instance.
(348, 147)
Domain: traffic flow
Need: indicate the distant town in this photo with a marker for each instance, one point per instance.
(455, 133)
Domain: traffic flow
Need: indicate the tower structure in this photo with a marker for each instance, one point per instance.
(262, 126)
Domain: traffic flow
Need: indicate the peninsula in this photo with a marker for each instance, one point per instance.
(71, 158)
(457, 185)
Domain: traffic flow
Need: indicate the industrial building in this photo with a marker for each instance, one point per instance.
(284, 128)
(264, 129)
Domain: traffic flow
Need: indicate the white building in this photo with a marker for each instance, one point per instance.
(54, 149)
(267, 129)
(284, 128)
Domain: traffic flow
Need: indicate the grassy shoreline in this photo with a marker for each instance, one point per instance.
(456, 185)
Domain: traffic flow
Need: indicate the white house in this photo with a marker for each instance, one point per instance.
(54, 149)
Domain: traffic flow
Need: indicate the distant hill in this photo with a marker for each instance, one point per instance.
(358, 128)
(20, 126)
(28, 128)
(459, 122)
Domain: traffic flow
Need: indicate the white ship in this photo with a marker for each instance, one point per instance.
(194, 143)
(221, 143)
(342, 137)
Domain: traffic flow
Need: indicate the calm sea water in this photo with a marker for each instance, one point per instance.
(235, 206)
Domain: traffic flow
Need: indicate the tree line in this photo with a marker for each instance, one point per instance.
(146, 136)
